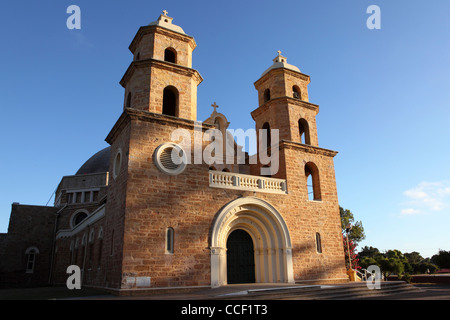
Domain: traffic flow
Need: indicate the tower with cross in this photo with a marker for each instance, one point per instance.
(160, 78)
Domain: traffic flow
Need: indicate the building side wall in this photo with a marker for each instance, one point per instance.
(308, 217)
(29, 226)
(113, 245)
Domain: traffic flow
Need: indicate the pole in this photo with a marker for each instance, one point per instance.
(349, 258)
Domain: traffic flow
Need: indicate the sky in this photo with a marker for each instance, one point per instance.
(383, 94)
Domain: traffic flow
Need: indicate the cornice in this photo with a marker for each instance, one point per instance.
(286, 144)
(161, 65)
(130, 114)
(273, 72)
(288, 100)
(157, 29)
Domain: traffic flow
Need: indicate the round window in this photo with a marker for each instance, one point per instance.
(78, 218)
(170, 158)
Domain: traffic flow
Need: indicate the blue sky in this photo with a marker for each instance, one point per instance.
(383, 95)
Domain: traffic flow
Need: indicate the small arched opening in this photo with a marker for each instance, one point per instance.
(170, 101)
(312, 182)
(266, 95)
(267, 140)
(303, 128)
(128, 103)
(296, 93)
(170, 55)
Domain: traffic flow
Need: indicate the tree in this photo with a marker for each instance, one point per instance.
(370, 252)
(442, 259)
(356, 234)
(395, 262)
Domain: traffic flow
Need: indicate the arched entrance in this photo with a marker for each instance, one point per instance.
(272, 251)
(240, 257)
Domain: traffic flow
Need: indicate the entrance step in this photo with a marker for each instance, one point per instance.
(320, 292)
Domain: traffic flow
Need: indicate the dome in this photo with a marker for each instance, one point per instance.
(165, 21)
(281, 62)
(98, 163)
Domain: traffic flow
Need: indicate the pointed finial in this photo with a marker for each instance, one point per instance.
(165, 12)
(215, 106)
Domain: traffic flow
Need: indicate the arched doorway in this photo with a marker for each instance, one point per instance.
(270, 238)
(240, 257)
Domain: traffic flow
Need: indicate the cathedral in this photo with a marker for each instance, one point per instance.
(160, 209)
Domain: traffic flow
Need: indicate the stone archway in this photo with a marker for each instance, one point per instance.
(270, 235)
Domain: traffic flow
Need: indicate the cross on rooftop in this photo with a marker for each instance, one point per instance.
(279, 52)
(215, 106)
(165, 12)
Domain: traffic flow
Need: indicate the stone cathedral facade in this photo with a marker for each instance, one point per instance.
(134, 218)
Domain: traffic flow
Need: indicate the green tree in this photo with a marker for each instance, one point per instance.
(390, 263)
(442, 259)
(356, 234)
(419, 265)
(368, 256)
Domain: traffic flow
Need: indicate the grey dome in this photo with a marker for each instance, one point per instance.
(98, 163)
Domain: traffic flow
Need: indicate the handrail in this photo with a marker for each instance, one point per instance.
(363, 275)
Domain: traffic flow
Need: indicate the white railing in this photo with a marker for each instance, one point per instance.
(237, 181)
(362, 275)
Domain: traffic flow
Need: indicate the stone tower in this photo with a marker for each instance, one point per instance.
(146, 186)
(284, 104)
(161, 79)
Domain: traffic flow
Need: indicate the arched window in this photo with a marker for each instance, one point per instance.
(169, 240)
(112, 243)
(170, 101)
(266, 134)
(170, 55)
(318, 243)
(128, 104)
(266, 95)
(303, 129)
(117, 164)
(226, 170)
(31, 258)
(312, 181)
(212, 168)
(296, 92)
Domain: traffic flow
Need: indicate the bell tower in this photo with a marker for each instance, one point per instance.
(160, 79)
(284, 104)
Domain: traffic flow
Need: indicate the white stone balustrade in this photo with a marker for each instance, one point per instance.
(237, 181)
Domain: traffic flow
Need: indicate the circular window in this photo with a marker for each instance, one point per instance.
(170, 158)
(78, 218)
(117, 164)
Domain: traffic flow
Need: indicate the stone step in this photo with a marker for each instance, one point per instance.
(321, 292)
